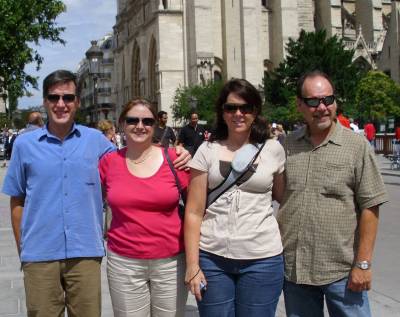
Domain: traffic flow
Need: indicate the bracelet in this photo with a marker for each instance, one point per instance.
(194, 276)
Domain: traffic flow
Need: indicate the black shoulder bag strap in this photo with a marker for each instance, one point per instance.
(230, 180)
(182, 194)
(171, 166)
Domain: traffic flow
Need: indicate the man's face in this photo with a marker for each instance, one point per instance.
(194, 118)
(61, 104)
(164, 119)
(318, 118)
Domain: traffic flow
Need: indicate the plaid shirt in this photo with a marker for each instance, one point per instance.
(327, 187)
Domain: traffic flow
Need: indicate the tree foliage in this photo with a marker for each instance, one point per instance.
(23, 23)
(377, 97)
(206, 95)
(311, 51)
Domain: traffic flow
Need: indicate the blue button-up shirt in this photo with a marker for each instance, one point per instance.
(62, 216)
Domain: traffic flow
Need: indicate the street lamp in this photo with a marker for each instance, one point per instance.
(95, 56)
(193, 103)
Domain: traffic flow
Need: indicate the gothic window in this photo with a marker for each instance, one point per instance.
(217, 76)
(136, 70)
(264, 3)
(152, 70)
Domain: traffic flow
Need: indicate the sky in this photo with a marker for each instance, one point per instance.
(84, 20)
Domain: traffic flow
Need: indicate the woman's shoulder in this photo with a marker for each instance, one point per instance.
(274, 147)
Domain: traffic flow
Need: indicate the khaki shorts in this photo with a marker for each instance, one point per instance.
(73, 283)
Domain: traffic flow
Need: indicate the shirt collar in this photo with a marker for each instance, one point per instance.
(44, 132)
(336, 137)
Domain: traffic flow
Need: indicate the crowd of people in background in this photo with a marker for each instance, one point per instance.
(226, 246)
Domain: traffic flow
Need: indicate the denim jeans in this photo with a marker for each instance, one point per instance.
(240, 288)
(308, 300)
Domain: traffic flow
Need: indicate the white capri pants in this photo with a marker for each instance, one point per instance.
(144, 288)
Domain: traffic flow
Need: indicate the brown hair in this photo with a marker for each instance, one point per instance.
(134, 103)
(245, 90)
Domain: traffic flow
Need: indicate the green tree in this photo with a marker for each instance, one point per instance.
(312, 50)
(205, 96)
(22, 24)
(377, 97)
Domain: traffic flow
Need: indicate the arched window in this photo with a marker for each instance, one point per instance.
(152, 70)
(136, 66)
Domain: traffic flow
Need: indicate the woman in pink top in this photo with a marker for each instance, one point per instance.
(145, 261)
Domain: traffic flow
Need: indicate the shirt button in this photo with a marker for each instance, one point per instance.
(65, 158)
(65, 194)
(65, 176)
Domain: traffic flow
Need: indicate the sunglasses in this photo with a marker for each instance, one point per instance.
(148, 122)
(243, 108)
(315, 102)
(66, 98)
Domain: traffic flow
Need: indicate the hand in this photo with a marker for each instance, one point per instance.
(183, 158)
(192, 280)
(360, 280)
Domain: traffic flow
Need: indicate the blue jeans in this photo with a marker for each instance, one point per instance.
(308, 300)
(240, 288)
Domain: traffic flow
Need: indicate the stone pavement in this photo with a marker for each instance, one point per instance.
(384, 298)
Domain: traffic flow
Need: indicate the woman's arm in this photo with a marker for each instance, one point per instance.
(278, 187)
(194, 212)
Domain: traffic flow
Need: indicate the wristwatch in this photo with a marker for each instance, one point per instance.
(363, 265)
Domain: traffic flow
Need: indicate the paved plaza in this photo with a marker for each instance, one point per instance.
(384, 296)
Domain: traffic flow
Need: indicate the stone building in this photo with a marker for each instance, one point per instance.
(97, 102)
(162, 44)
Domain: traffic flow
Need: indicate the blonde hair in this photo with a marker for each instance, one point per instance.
(105, 126)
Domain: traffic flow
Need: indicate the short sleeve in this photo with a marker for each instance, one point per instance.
(280, 157)
(201, 159)
(15, 180)
(183, 175)
(106, 146)
(370, 188)
(103, 168)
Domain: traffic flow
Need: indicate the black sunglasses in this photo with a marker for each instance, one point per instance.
(66, 98)
(315, 102)
(243, 108)
(148, 122)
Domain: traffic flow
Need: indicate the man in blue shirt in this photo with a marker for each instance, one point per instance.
(56, 206)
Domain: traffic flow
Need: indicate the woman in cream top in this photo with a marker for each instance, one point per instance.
(234, 247)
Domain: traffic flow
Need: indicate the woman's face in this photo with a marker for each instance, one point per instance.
(139, 125)
(238, 114)
(110, 134)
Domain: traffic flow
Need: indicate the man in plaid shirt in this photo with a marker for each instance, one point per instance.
(329, 214)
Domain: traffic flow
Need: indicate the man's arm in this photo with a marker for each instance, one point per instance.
(359, 279)
(17, 207)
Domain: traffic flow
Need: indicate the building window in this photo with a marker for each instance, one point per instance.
(264, 3)
(152, 70)
(165, 4)
(136, 71)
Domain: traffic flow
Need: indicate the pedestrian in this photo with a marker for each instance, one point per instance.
(35, 121)
(145, 262)
(108, 129)
(354, 126)
(192, 135)
(9, 143)
(56, 206)
(163, 134)
(370, 132)
(328, 216)
(233, 245)
(342, 119)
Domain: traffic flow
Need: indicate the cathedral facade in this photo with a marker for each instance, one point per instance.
(163, 44)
